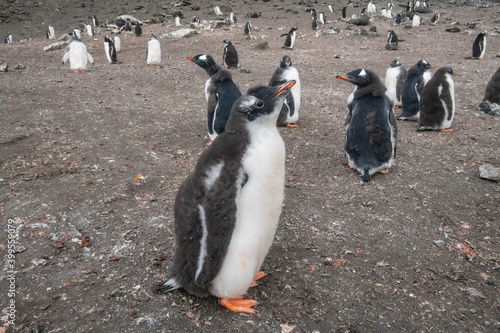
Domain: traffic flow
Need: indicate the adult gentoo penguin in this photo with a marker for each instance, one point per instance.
(217, 11)
(492, 93)
(479, 46)
(227, 211)
(220, 91)
(230, 56)
(371, 130)
(395, 77)
(95, 21)
(232, 18)
(248, 29)
(290, 111)
(109, 49)
(8, 39)
(321, 17)
(416, 78)
(90, 29)
(417, 19)
(290, 38)
(437, 102)
(77, 55)
(118, 43)
(344, 13)
(371, 9)
(153, 53)
(51, 33)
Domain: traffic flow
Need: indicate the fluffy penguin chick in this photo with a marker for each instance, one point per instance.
(290, 111)
(153, 52)
(220, 91)
(395, 77)
(492, 93)
(437, 102)
(226, 212)
(416, 78)
(371, 129)
(230, 56)
(77, 56)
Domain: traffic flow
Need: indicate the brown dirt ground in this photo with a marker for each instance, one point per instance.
(414, 250)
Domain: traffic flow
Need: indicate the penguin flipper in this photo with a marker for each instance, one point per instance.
(65, 57)
(283, 35)
(89, 57)
(167, 285)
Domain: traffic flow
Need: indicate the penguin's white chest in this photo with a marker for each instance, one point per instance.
(292, 74)
(258, 209)
(391, 81)
(78, 56)
(154, 53)
(292, 39)
(448, 102)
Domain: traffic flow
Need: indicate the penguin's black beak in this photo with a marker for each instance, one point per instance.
(284, 88)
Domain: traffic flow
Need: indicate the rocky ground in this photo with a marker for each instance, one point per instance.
(414, 250)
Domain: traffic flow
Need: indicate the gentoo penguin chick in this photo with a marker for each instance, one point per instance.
(492, 93)
(371, 130)
(138, 29)
(51, 33)
(77, 33)
(410, 96)
(232, 18)
(118, 43)
(416, 20)
(153, 53)
(314, 15)
(397, 20)
(315, 24)
(220, 91)
(290, 38)
(77, 56)
(8, 39)
(395, 77)
(90, 29)
(217, 11)
(109, 49)
(226, 212)
(248, 29)
(290, 111)
(230, 56)
(434, 20)
(128, 26)
(437, 102)
(392, 40)
(479, 46)
(371, 9)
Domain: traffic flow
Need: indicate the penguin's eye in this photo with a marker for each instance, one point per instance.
(259, 104)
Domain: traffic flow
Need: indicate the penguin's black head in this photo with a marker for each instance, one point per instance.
(293, 29)
(422, 64)
(152, 37)
(107, 40)
(395, 63)
(262, 100)
(226, 42)
(205, 61)
(446, 70)
(360, 77)
(286, 62)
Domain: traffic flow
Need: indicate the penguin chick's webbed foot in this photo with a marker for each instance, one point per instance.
(291, 125)
(351, 166)
(383, 171)
(257, 276)
(447, 130)
(238, 304)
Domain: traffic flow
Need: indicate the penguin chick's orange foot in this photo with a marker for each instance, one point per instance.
(447, 130)
(291, 125)
(238, 304)
(257, 276)
(351, 166)
(383, 171)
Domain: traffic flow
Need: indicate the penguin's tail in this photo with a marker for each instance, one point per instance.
(167, 285)
(366, 175)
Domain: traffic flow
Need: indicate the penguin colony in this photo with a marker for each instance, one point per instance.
(212, 222)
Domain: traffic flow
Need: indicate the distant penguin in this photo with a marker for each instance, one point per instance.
(220, 91)
(77, 55)
(479, 46)
(437, 102)
(416, 20)
(395, 77)
(290, 38)
(492, 93)
(331, 9)
(77, 33)
(388, 13)
(95, 21)
(248, 29)
(371, 9)
(153, 53)
(392, 40)
(226, 212)
(321, 18)
(397, 20)
(370, 127)
(8, 39)
(383, 12)
(314, 14)
(138, 29)
(128, 26)
(230, 56)
(315, 24)
(290, 111)
(51, 33)
(217, 11)
(118, 43)
(232, 18)
(412, 87)
(434, 20)
(344, 13)
(109, 49)
(196, 19)
(363, 11)
(90, 29)
(178, 21)
(390, 6)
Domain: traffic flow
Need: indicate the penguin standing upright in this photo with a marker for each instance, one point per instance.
(232, 18)
(397, 20)
(492, 93)
(77, 55)
(90, 29)
(95, 21)
(395, 77)
(314, 14)
(371, 130)
(417, 19)
(138, 29)
(315, 24)
(434, 19)
(153, 53)
(290, 111)
(330, 7)
(109, 49)
(226, 212)
(371, 9)
(321, 17)
(178, 21)
(230, 56)
(344, 13)
(479, 46)
(410, 96)
(220, 91)
(128, 26)
(118, 43)
(392, 40)
(77, 33)
(196, 19)
(248, 29)
(290, 38)
(8, 39)
(51, 33)
(217, 11)
(437, 102)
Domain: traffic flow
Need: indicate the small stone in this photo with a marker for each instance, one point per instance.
(367, 203)
(440, 243)
(4, 67)
(489, 171)
(474, 292)
(244, 70)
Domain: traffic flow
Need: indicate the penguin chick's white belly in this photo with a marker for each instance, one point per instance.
(259, 206)
(293, 74)
(448, 114)
(391, 82)
(154, 53)
(78, 56)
